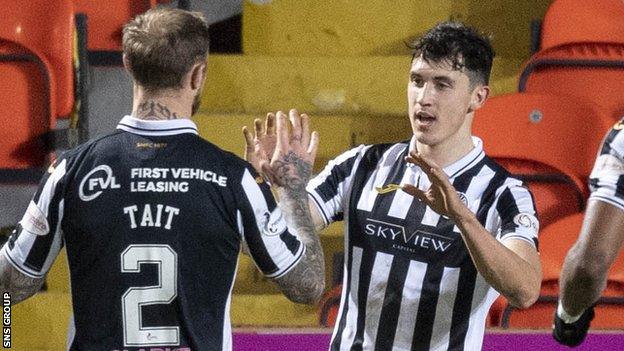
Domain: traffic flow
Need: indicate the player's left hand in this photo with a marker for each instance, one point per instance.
(260, 146)
(441, 196)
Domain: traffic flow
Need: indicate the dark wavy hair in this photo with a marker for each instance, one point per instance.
(459, 45)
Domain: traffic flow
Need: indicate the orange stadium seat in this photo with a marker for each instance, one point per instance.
(582, 53)
(36, 78)
(26, 115)
(575, 21)
(46, 32)
(594, 71)
(543, 139)
(555, 241)
(106, 19)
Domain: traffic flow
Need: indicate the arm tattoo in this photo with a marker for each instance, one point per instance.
(17, 284)
(154, 111)
(305, 282)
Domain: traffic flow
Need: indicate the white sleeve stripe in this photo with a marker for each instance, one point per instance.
(518, 237)
(298, 257)
(318, 203)
(615, 201)
(239, 223)
(26, 271)
(57, 242)
(316, 181)
(49, 189)
(278, 253)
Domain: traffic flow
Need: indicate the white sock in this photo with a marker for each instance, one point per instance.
(565, 316)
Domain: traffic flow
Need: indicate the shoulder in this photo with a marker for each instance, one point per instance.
(613, 142)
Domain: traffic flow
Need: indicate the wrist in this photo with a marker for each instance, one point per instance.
(463, 216)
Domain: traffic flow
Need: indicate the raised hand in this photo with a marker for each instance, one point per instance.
(441, 196)
(260, 147)
(291, 164)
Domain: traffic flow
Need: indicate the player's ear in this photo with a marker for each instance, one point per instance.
(198, 75)
(479, 95)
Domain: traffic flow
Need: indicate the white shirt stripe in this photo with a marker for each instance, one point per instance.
(348, 334)
(375, 298)
(409, 306)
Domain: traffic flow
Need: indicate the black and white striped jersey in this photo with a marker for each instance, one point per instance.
(152, 217)
(606, 181)
(409, 282)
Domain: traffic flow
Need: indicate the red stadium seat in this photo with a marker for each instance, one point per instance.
(593, 71)
(555, 241)
(37, 80)
(543, 140)
(26, 115)
(106, 20)
(576, 21)
(45, 32)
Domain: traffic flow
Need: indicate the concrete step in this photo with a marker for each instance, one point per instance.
(371, 85)
(370, 27)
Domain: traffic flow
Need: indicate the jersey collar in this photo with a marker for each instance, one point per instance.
(149, 127)
(460, 166)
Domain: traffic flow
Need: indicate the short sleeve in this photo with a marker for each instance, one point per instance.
(518, 217)
(327, 190)
(273, 246)
(37, 238)
(606, 181)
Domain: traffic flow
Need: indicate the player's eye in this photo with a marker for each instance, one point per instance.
(417, 81)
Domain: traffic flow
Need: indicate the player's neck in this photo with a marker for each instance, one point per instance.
(162, 106)
(448, 151)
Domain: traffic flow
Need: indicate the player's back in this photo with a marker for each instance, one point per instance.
(150, 224)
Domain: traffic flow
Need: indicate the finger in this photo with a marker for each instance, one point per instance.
(249, 144)
(414, 191)
(270, 123)
(295, 120)
(425, 165)
(421, 159)
(441, 179)
(314, 143)
(258, 127)
(282, 131)
(305, 131)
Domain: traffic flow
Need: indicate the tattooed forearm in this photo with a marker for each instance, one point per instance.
(305, 283)
(16, 283)
(154, 111)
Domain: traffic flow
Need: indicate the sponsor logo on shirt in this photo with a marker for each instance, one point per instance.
(34, 221)
(96, 181)
(405, 241)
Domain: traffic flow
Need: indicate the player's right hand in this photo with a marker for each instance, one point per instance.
(572, 334)
(295, 151)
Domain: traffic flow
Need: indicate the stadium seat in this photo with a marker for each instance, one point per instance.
(573, 21)
(543, 139)
(593, 71)
(46, 33)
(555, 241)
(106, 19)
(26, 115)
